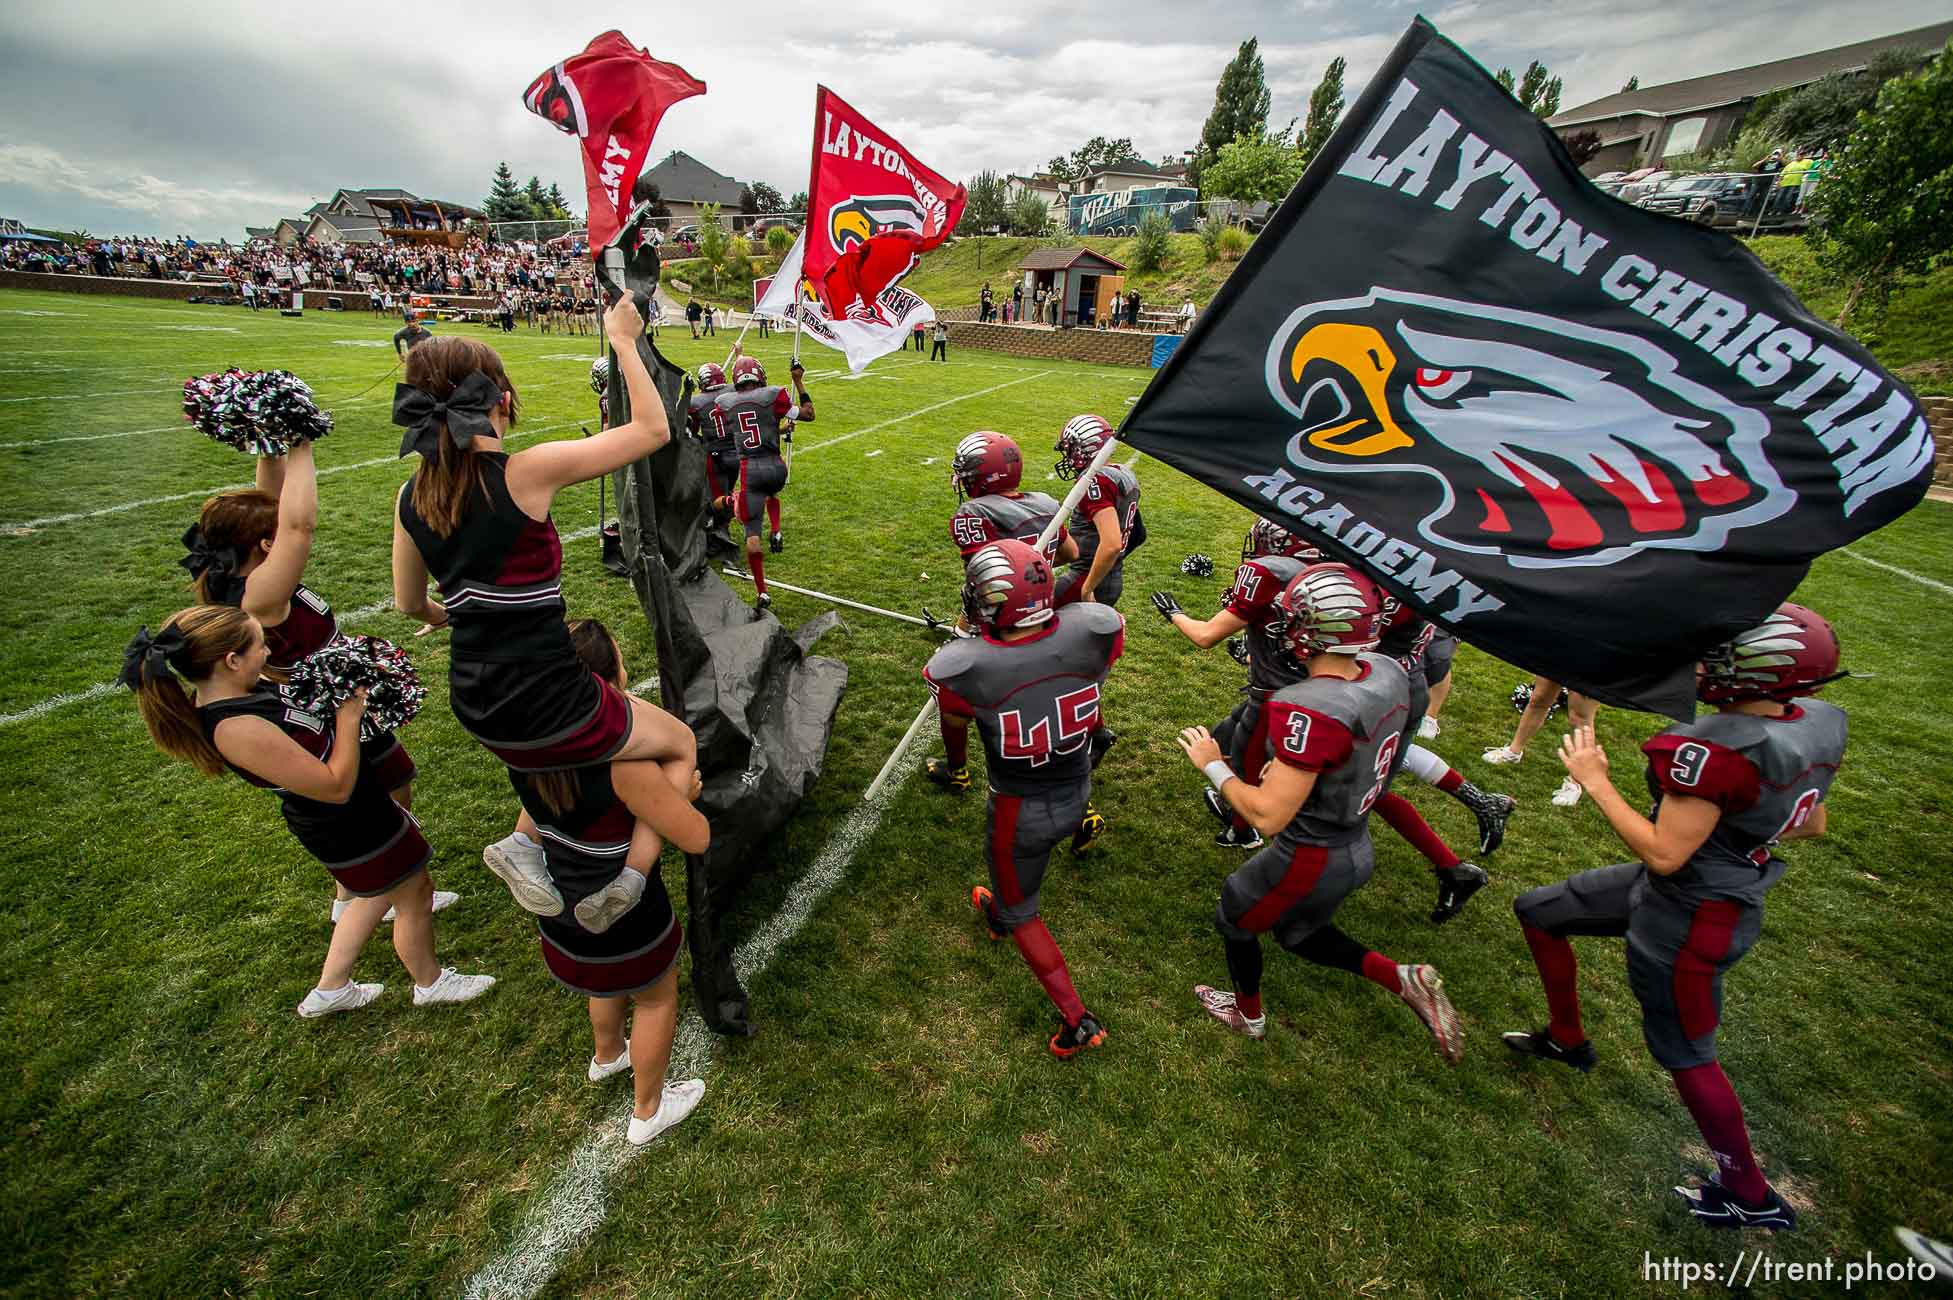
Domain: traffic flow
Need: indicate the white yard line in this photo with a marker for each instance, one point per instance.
(1923, 581)
(90, 437)
(937, 406)
(82, 397)
(53, 702)
(575, 1204)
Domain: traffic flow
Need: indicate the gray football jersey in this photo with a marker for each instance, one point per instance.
(1255, 598)
(1767, 774)
(752, 418)
(1348, 733)
(980, 521)
(703, 412)
(1035, 701)
(1118, 487)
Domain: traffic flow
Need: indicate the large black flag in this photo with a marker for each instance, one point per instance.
(1590, 440)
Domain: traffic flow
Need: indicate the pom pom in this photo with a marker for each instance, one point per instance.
(261, 412)
(327, 678)
(1522, 695)
(1198, 566)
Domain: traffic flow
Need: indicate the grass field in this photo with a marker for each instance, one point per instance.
(897, 1127)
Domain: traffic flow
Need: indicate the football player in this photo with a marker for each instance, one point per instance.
(1107, 524)
(1031, 681)
(703, 420)
(1728, 787)
(1332, 734)
(751, 412)
(986, 471)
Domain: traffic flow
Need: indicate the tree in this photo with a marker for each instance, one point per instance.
(1093, 154)
(1325, 110)
(504, 201)
(748, 201)
(1254, 168)
(1150, 250)
(1549, 99)
(1582, 145)
(1029, 215)
(712, 243)
(536, 200)
(768, 198)
(988, 207)
(1504, 77)
(1240, 107)
(1886, 203)
(1633, 83)
(646, 191)
(559, 206)
(1824, 112)
(798, 203)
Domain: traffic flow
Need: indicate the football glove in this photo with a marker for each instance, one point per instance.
(1238, 647)
(1165, 603)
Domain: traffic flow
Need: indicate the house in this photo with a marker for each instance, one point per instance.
(289, 230)
(685, 185)
(370, 216)
(1643, 127)
(1051, 191)
(336, 228)
(1083, 280)
(1126, 174)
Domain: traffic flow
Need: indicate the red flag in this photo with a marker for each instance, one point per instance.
(610, 97)
(872, 209)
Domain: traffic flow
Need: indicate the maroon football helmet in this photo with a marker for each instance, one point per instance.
(1791, 653)
(1330, 608)
(1007, 584)
(747, 372)
(711, 376)
(986, 463)
(1269, 538)
(1080, 441)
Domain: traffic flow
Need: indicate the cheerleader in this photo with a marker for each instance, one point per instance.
(476, 518)
(591, 819)
(334, 802)
(250, 549)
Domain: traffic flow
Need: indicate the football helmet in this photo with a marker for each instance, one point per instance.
(1330, 608)
(1082, 437)
(600, 375)
(747, 372)
(1791, 653)
(1007, 584)
(1269, 538)
(711, 376)
(986, 462)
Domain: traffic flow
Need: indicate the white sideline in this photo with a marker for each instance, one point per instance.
(53, 702)
(573, 1207)
(80, 397)
(1903, 573)
(87, 437)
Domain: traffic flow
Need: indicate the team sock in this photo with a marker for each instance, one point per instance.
(956, 746)
(1380, 970)
(1404, 818)
(1450, 781)
(773, 514)
(1718, 1113)
(758, 567)
(1329, 946)
(1557, 973)
(1244, 972)
(1041, 954)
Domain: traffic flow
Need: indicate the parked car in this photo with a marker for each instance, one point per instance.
(1605, 177)
(1726, 200)
(685, 232)
(1642, 183)
(764, 224)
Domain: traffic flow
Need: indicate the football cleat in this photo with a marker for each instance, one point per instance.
(980, 899)
(1089, 829)
(1455, 888)
(956, 780)
(1541, 1044)
(1492, 811)
(1423, 992)
(1217, 805)
(1245, 838)
(778, 542)
(1070, 1040)
(1219, 1003)
(1719, 1207)
(1103, 738)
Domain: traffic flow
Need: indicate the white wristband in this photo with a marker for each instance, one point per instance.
(1218, 773)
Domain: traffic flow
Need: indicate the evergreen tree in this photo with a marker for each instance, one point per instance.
(504, 201)
(1633, 83)
(1532, 85)
(1325, 110)
(1504, 77)
(1240, 106)
(536, 199)
(1549, 99)
(558, 205)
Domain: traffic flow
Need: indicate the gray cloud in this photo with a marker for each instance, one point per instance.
(206, 117)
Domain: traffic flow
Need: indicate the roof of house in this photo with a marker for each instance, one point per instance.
(345, 229)
(681, 178)
(1126, 167)
(260, 232)
(1065, 259)
(1738, 84)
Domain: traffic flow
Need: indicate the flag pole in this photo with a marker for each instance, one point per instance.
(1072, 498)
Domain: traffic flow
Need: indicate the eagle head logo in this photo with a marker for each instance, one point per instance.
(553, 97)
(860, 219)
(1549, 441)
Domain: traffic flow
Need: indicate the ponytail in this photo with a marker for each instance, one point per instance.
(191, 645)
(230, 526)
(449, 479)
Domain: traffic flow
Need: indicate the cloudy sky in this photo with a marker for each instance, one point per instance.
(200, 118)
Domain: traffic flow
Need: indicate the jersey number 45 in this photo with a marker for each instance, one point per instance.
(1074, 716)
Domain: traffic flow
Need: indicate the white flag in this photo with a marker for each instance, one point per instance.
(898, 313)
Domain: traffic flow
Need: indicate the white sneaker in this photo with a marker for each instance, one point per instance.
(348, 997)
(521, 868)
(1503, 756)
(1568, 794)
(443, 898)
(452, 986)
(601, 1070)
(1427, 729)
(680, 1100)
(602, 909)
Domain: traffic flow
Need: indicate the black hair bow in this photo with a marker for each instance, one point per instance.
(147, 658)
(465, 413)
(219, 563)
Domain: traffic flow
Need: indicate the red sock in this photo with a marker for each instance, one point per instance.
(1450, 781)
(758, 567)
(1379, 969)
(1557, 972)
(1248, 1004)
(1416, 832)
(1706, 1092)
(1048, 964)
(773, 513)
